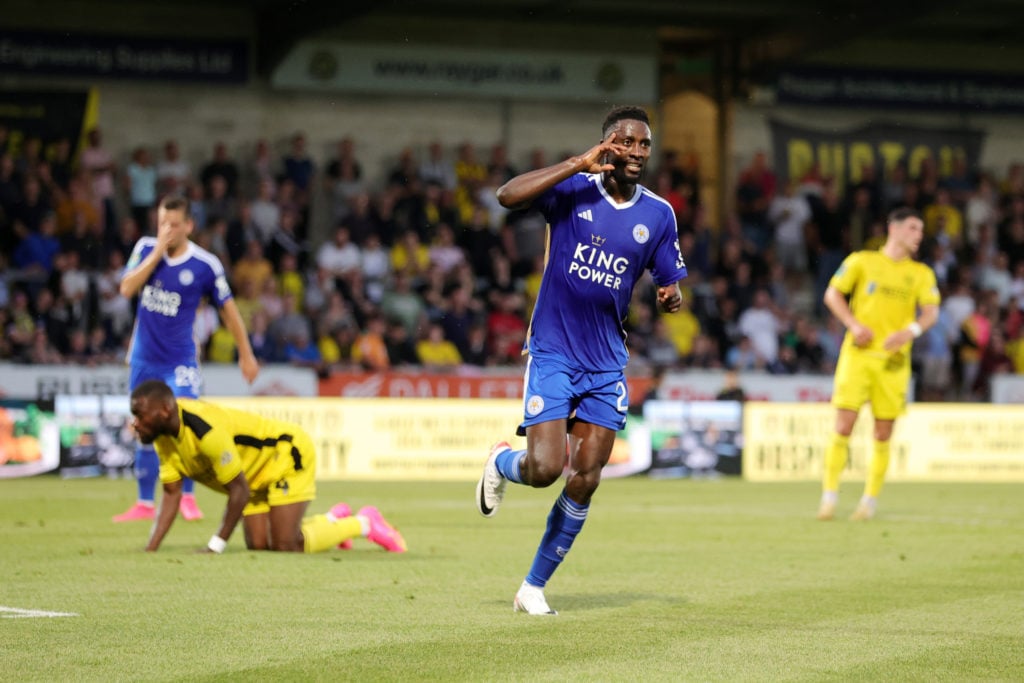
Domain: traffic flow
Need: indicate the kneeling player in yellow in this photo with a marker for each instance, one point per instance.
(886, 288)
(266, 467)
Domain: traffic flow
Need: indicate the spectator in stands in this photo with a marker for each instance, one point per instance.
(506, 329)
(291, 323)
(115, 311)
(254, 267)
(665, 189)
(173, 173)
(343, 179)
(788, 215)
(410, 256)
(60, 160)
(218, 203)
(265, 212)
(435, 352)
(375, 264)
(682, 328)
(52, 318)
(943, 218)
(36, 251)
(222, 166)
(301, 350)
(259, 168)
(32, 206)
(477, 351)
(98, 163)
(443, 253)
(761, 325)
(436, 168)
(299, 168)
(260, 339)
(370, 349)
(77, 202)
(934, 358)
(754, 193)
(197, 205)
(486, 199)
(743, 357)
(141, 184)
(341, 258)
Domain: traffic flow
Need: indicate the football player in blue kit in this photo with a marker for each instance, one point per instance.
(604, 231)
(171, 275)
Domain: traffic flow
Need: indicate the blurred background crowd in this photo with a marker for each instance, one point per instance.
(426, 270)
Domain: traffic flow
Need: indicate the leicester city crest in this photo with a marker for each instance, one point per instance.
(641, 233)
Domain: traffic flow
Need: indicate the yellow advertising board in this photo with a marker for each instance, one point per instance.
(931, 442)
(412, 439)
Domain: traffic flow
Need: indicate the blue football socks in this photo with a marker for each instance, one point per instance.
(147, 471)
(507, 463)
(187, 486)
(564, 523)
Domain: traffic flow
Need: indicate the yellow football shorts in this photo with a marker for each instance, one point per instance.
(879, 380)
(296, 485)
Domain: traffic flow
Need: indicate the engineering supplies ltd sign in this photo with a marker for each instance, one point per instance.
(931, 442)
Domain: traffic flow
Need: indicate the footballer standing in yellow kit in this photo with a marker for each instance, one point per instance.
(886, 300)
(266, 467)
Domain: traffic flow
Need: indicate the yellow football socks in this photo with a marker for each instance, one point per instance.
(323, 534)
(836, 455)
(876, 470)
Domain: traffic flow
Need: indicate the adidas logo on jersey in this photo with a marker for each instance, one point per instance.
(586, 215)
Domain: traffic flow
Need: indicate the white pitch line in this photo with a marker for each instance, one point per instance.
(15, 613)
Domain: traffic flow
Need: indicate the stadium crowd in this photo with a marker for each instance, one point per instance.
(427, 270)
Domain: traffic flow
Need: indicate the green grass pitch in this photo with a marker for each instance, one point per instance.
(669, 581)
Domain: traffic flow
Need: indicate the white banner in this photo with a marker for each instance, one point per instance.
(439, 70)
(41, 382)
(704, 386)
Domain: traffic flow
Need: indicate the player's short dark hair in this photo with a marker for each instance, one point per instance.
(627, 112)
(902, 213)
(153, 388)
(174, 202)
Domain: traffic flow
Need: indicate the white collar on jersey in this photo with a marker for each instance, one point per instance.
(190, 249)
(597, 178)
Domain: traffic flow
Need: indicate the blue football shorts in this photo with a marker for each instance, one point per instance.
(554, 391)
(184, 380)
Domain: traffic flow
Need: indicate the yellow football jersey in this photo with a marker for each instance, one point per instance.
(884, 294)
(215, 443)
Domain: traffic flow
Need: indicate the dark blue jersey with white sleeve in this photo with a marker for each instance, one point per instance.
(166, 315)
(597, 251)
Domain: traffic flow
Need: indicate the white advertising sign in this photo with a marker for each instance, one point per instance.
(439, 70)
(39, 382)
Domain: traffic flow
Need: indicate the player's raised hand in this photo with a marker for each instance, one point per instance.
(164, 236)
(598, 155)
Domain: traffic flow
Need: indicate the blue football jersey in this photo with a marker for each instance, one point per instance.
(168, 301)
(597, 250)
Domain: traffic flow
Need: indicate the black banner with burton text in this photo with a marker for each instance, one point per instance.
(843, 154)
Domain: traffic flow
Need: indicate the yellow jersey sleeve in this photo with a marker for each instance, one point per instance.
(849, 272)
